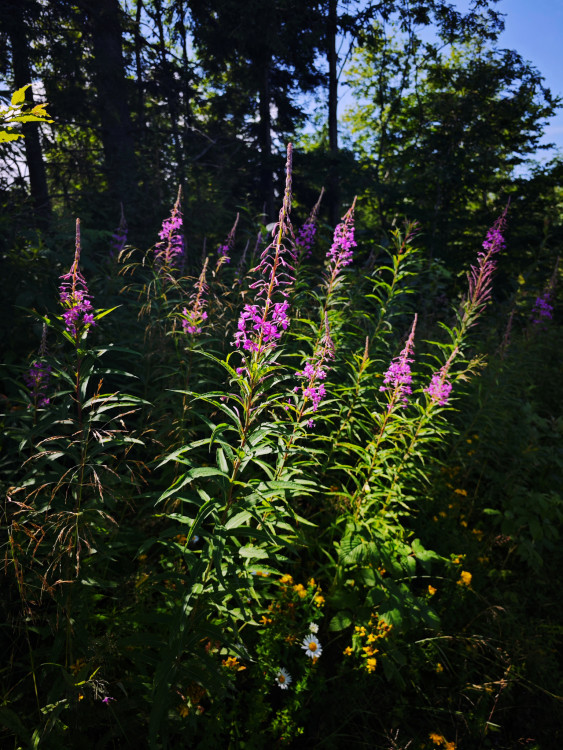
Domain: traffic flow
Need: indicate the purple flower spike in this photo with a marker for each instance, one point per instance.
(119, 237)
(37, 379)
(170, 251)
(306, 236)
(305, 239)
(480, 276)
(74, 296)
(341, 253)
(224, 251)
(195, 316)
(543, 309)
(315, 370)
(440, 387)
(262, 324)
(397, 380)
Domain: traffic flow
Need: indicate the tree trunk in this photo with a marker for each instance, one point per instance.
(14, 17)
(333, 192)
(265, 143)
(103, 23)
(140, 105)
(168, 80)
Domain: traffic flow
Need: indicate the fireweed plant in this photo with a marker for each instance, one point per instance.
(306, 236)
(237, 554)
(63, 509)
(224, 251)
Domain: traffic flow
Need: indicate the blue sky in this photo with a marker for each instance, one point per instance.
(534, 28)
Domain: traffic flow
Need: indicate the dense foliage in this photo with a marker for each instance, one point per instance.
(270, 479)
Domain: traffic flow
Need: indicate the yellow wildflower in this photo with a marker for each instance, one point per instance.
(231, 662)
(265, 620)
(360, 630)
(431, 590)
(465, 578)
(311, 582)
(371, 664)
(319, 600)
(348, 651)
(461, 492)
(184, 710)
(437, 739)
(286, 579)
(439, 668)
(300, 590)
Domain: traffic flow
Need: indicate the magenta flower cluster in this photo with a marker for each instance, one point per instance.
(262, 323)
(193, 321)
(259, 327)
(440, 388)
(341, 252)
(494, 241)
(315, 370)
(480, 275)
(37, 380)
(223, 253)
(543, 309)
(170, 250)
(305, 239)
(74, 296)
(398, 378)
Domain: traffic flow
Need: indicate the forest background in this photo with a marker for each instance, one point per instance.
(191, 104)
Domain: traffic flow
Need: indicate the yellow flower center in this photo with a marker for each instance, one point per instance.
(312, 646)
(281, 679)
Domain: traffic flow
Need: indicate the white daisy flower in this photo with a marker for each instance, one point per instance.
(284, 679)
(313, 627)
(311, 646)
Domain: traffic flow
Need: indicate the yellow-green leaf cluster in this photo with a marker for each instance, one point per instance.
(18, 112)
